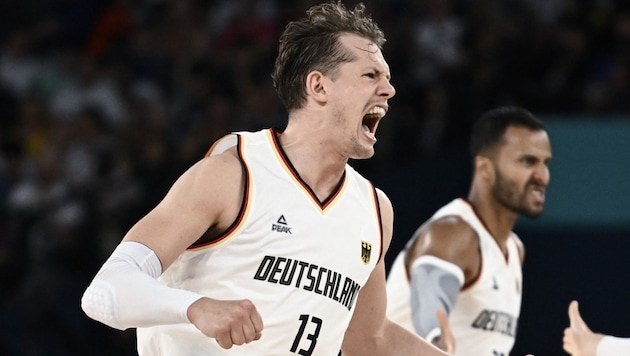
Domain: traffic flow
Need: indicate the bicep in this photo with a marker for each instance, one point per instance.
(368, 318)
(387, 219)
(449, 239)
(370, 307)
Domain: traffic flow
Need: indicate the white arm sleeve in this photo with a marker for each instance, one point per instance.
(613, 346)
(126, 294)
(435, 284)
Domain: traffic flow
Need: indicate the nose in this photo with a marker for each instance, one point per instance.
(541, 174)
(387, 90)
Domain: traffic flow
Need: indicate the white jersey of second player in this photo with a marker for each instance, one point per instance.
(485, 315)
(301, 262)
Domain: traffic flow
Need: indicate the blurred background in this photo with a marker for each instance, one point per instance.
(103, 103)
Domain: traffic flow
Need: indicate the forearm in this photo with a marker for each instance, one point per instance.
(402, 342)
(393, 340)
(125, 293)
(435, 284)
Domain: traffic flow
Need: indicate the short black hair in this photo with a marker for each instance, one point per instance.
(487, 132)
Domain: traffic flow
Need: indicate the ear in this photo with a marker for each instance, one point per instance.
(315, 87)
(484, 167)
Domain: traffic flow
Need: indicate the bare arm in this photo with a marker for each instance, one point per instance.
(125, 292)
(449, 239)
(370, 332)
(204, 197)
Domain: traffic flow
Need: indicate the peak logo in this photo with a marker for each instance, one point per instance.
(281, 226)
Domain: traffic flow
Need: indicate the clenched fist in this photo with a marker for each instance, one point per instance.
(231, 322)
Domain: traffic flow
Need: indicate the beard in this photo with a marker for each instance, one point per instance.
(352, 146)
(507, 192)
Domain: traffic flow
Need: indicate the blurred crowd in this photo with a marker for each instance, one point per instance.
(105, 102)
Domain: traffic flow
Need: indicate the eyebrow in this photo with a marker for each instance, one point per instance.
(379, 72)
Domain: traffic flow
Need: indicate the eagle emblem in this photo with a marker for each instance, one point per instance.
(366, 251)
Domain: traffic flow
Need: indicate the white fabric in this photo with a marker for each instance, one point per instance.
(125, 292)
(613, 346)
(300, 261)
(437, 332)
(485, 315)
(223, 144)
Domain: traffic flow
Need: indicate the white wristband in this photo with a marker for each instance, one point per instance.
(613, 346)
(126, 294)
(435, 333)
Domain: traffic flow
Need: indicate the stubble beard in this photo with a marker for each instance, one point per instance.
(356, 150)
(506, 193)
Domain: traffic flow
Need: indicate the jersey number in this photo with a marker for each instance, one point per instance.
(312, 337)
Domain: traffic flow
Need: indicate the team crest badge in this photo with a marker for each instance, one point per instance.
(366, 251)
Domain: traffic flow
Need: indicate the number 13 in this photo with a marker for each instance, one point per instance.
(312, 337)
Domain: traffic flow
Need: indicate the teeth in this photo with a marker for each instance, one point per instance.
(538, 193)
(376, 111)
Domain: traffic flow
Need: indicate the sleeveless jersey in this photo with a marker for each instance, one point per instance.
(485, 314)
(301, 262)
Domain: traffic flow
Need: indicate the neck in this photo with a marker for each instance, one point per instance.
(314, 160)
(498, 220)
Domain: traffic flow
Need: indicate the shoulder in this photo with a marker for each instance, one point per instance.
(387, 217)
(219, 165)
(383, 200)
(448, 230)
(449, 238)
(451, 227)
(221, 145)
(385, 207)
(214, 187)
(213, 184)
(235, 139)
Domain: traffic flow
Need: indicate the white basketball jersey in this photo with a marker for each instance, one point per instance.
(485, 315)
(301, 262)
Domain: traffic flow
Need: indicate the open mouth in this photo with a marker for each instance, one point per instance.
(371, 119)
(538, 192)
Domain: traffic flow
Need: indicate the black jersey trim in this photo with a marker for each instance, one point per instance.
(322, 204)
(244, 204)
(380, 220)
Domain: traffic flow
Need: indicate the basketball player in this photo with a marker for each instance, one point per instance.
(579, 340)
(465, 260)
(273, 244)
